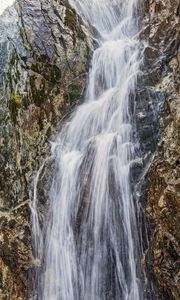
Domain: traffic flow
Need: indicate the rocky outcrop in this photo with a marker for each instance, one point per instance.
(44, 54)
(162, 25)
(43, 78)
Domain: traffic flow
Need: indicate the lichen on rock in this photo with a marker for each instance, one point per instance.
(43, 77)
(163, 189)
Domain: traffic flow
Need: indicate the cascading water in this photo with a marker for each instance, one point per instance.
(91, 248)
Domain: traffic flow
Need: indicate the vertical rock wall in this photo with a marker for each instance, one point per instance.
(43, 76)
(162, 26)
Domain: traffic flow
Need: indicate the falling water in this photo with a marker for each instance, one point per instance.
(91, 248)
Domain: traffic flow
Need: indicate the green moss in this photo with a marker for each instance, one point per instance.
(27, 47)
(15, 102)
(16, 99)
(22, 32)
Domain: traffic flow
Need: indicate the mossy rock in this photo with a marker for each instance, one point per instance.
(27, 47)
(71, 22)
(16, 99)
(15, 103)
(39, 95)
(74, 95)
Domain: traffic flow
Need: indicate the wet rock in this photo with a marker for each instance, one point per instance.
(164, 205)
(41, 80)
(43, 76)
(16, 260)
(163, 201)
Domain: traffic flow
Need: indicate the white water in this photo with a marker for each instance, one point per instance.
(5, 4)
(90, 249)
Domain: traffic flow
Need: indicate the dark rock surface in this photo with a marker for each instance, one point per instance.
(44, 54)
(162, 26)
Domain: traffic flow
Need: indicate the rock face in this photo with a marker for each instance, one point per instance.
(43, 78)
(162, 25)
(44, 54)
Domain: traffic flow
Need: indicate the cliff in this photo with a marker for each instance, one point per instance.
(42, 78)
(163, 184)
(44, 57)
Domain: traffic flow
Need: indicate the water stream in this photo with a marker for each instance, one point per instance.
(90, 244)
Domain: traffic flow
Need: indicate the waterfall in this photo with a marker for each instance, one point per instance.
(90, 245)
